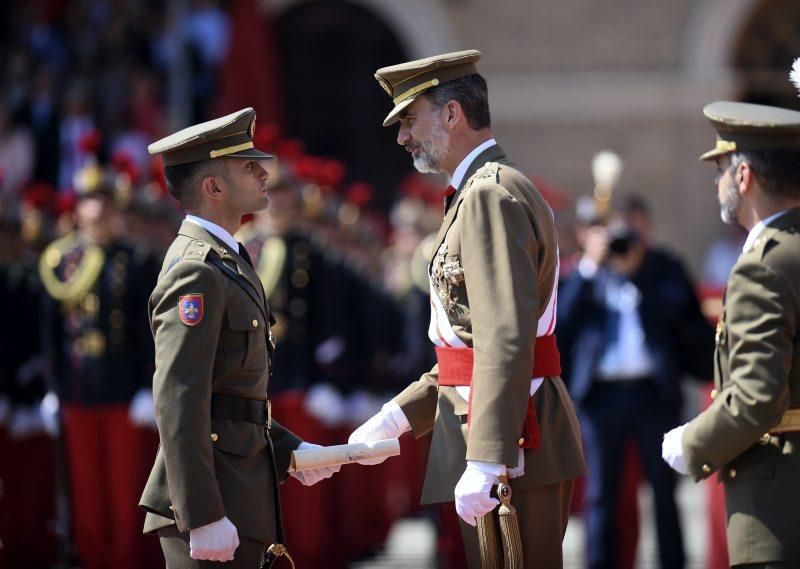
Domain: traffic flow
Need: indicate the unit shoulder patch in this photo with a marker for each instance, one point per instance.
(190, 309)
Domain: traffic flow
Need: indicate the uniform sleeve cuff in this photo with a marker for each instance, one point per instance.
(488, 467)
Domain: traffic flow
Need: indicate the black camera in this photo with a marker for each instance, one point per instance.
(621, 240)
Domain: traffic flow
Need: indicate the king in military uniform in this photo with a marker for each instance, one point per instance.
(213, 491)
(494, 401)
(750, 435)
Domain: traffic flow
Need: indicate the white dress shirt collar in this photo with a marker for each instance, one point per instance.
(759, 227)
(458, 174)
(215, 230)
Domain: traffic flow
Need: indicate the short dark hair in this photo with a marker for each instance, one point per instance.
(471, 92)
(776, 169)
(183, 180)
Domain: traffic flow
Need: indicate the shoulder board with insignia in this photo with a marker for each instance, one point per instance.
(197, 251)
(486, 172)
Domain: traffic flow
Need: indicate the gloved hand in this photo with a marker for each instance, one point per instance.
(388, 423)
(473, 498)
(672, 450)
(214, 542)
(142, 411)
(311, 477)
(49, 412)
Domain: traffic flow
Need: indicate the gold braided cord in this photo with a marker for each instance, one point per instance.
(270, 263)
(509, 527)
(82, 280)
(489, 543)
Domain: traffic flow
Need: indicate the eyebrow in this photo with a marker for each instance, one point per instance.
(404, 114)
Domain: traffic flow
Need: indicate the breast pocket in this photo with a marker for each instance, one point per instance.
(245, 342)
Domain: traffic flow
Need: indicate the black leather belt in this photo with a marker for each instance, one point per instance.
(256, 411)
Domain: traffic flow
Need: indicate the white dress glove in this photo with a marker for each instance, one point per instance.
(473, 491)
(214, 542)
(388, 423)
(311, 477)
(672, 450)
(142, 411)
(49, 408)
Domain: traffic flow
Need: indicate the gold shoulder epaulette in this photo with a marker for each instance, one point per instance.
(83, 278)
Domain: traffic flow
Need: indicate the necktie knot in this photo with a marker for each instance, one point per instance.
(448, 196)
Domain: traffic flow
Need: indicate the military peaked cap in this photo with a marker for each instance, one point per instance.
(230, 136)
(744, 126)
(406, 81)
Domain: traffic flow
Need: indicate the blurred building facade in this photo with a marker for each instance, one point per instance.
(570, 77)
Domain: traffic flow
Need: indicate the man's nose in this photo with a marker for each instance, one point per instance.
(403, 136)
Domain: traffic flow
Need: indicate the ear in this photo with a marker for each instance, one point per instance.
(210, 187)
(744, 178)
(452, 113)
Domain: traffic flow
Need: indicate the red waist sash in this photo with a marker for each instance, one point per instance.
(455, 370)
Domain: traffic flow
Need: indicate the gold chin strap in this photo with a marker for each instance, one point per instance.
(414, 90)
(230, 149)
(278, 550)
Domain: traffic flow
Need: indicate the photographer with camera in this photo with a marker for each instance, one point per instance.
(629, 328)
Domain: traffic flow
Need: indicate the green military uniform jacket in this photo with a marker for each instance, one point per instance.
(500, 232)
(207, 468)
(757, 377)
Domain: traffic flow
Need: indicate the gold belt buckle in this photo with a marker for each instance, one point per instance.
(268, 406)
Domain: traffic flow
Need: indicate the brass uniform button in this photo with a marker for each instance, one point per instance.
(521, 441)
(254, 323)
(732, 473)
(706, 469)
(214, 437)
(714, 394)
(765, 438)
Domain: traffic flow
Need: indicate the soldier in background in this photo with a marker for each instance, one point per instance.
(287, 263)
(99, 349)
(27, 483)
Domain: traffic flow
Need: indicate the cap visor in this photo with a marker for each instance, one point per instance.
(712, 154)
(253, 153)
(393, 116)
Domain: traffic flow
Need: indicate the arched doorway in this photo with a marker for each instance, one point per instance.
(764, 51)
(329, 53)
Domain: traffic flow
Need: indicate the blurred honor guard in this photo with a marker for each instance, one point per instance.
(750, 435)
(98, 346)
(213, 491)
(494, 401)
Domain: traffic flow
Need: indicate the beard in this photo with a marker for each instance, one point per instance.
(729, 209)
(431, 152)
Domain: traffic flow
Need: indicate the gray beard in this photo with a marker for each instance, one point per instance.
(431, 154)
(729, 209)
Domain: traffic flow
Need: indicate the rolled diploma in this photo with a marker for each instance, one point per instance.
(310, 458)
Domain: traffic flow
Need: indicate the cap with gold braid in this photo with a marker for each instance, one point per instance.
(230, 136)
(406, 81)
(744, 126)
